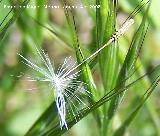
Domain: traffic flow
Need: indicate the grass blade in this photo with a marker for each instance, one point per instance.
(129, 62)
(9, 22)
(121, 130)
(54, 130)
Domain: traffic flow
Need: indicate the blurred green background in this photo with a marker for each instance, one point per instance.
(20, 108)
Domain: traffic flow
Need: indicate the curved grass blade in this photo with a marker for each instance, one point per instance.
(54, 130)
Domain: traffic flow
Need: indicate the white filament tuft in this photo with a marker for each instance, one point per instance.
(61, 81)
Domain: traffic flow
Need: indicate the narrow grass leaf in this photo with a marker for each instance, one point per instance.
(129, 62)
(14, 15)
(121, 130)
(108, 57)
(86, 72)
(54, 130)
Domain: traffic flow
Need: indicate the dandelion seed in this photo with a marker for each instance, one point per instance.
(64, 83)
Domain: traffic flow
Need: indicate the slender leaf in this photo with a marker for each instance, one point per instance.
(129, 62)
(55, 130)
(15, 14)
(121, 130)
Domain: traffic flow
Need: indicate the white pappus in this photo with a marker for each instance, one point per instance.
(63, 81)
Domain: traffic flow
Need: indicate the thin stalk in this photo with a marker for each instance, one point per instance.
(113, 38)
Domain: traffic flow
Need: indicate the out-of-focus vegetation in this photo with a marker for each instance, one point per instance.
(24, 28)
